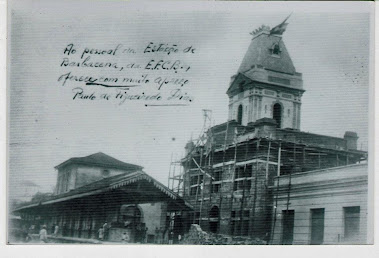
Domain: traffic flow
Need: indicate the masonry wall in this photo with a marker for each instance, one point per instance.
(88, 174)
(258, 103)
(255, 201)
(154, 216)
(74, 176)
(330, 189)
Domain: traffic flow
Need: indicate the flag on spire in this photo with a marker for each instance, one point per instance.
(281, 28)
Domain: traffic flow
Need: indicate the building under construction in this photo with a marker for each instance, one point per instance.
(231, 174)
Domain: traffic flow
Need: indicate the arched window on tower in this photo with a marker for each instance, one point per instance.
(277, 114)
(240, 114)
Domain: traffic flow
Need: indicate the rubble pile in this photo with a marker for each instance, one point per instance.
(196, 236)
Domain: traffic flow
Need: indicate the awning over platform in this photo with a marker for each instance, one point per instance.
(134, 188)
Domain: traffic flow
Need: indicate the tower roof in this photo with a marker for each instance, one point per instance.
(260, 53)
(100, 159)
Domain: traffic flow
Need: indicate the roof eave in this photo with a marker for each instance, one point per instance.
(73, 162)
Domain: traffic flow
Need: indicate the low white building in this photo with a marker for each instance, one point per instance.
(327, 206)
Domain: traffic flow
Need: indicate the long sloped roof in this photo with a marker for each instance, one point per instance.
(105, 185)
(100, 159)
(259, 53)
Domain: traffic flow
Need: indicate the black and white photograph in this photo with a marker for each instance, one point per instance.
(189, 124)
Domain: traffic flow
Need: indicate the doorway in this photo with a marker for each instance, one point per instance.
(317, 226)
(213, 219)
(288, 225)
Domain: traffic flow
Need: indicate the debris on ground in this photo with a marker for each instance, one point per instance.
(196, 236)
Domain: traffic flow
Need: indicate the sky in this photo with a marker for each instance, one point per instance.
(46, 127)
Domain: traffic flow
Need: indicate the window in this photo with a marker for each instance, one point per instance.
(277, 114)
(352, 217)
(317, 226)
(105, 173)
(242, 178)
(216, 187)
(217, 175)
(67, 180)
(235, 224)
(288, 218)
(242, 184)
(240, 115)
(197, 218)
(195, 184)
(193, 191)
(276, 50)
(216, 182)
(242, 172)
(239, 227)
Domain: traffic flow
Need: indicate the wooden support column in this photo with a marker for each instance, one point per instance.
(303, 156)
(275, 210)
(267, 161)
(173, 176)
(290, 176)
(279, 156)
(169, 173)
(243, 186)
(255, 187)
(210, 163)
(233, 177)
(223, 169)
(197, 189)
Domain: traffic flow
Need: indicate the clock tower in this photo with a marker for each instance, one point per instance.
(266, 84)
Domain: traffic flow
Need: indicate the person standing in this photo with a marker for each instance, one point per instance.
(101, 233)
(43, 235)
(105, 230)
(56, 229)
(171, 237)
(125, 237)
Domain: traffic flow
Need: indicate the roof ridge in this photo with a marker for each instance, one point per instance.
(100, 159)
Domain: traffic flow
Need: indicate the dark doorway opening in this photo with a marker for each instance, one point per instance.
(351, 223)
(288, 224)
(317, 226)
(277, 114)
(213, 219)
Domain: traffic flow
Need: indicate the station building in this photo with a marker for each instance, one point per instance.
(259, 175)
(98, 189)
